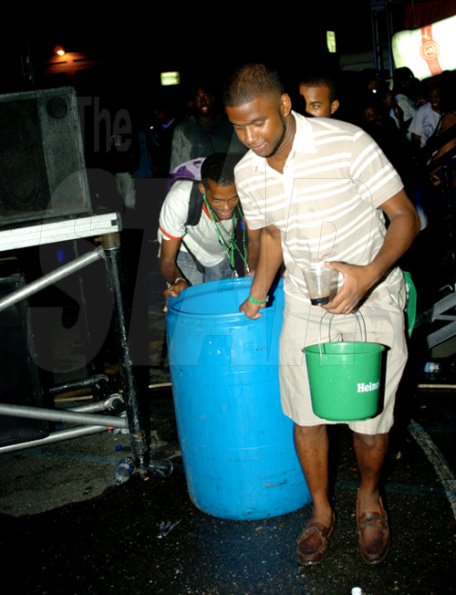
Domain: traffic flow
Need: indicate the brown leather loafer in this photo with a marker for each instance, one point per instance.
(374, 535)
(313, 543)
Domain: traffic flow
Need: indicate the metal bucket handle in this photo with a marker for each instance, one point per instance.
(359, 319)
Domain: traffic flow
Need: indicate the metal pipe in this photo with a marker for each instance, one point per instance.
(54, 437)
(79, 384)
(160, 385)
(135, 416)
(51, 278)
(54, 415)
(437, 386)
(99, 405)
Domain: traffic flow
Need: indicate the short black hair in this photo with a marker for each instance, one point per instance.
(249, 82)
(320, 80)
(219, 167)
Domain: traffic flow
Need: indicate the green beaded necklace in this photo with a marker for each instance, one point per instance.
(229, 243)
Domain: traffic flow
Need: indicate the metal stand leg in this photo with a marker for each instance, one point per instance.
(111, 245)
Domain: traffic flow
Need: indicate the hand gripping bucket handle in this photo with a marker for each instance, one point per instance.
(344, 376)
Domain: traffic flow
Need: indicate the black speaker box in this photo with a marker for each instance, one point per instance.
(42, 166)
(20, 383)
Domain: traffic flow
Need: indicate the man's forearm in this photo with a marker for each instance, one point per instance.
(253, 249)
(269, 261)
(169, 270)
(400, 234)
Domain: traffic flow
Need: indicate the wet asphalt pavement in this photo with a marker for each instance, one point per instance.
(147, 536)
(67, 529)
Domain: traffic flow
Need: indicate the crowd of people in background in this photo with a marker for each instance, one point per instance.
(411, 120)
(401, 114)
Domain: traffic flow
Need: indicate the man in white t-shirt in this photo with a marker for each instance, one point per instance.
(202, 232)
(319, 188)
(427, 117)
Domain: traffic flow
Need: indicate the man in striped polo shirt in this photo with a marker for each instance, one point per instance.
(319, 189)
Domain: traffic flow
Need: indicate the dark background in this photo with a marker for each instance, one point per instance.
(121, 52)
(129, 48)
(124, 50)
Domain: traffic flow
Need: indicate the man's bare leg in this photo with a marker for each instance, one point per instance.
(371, 518)
(370, 454)
(312, 448)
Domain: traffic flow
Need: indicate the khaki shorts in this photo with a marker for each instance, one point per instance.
(303, 326)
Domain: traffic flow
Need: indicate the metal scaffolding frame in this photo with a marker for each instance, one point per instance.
(382, 33)
(107, 227)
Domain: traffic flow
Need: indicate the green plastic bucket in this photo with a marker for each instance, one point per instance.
(344, 379)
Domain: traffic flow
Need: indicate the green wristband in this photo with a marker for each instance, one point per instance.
(258, 302)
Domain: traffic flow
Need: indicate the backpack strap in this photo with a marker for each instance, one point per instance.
(195, 206)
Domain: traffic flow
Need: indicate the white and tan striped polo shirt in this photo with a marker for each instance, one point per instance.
(325, 203)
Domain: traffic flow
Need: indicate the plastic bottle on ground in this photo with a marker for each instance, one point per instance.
(124, 469)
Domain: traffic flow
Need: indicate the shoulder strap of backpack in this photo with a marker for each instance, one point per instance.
(195, 206)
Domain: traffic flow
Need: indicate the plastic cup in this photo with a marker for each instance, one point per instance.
(319, 280)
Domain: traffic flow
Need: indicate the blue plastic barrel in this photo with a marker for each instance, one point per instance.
(237, 445)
